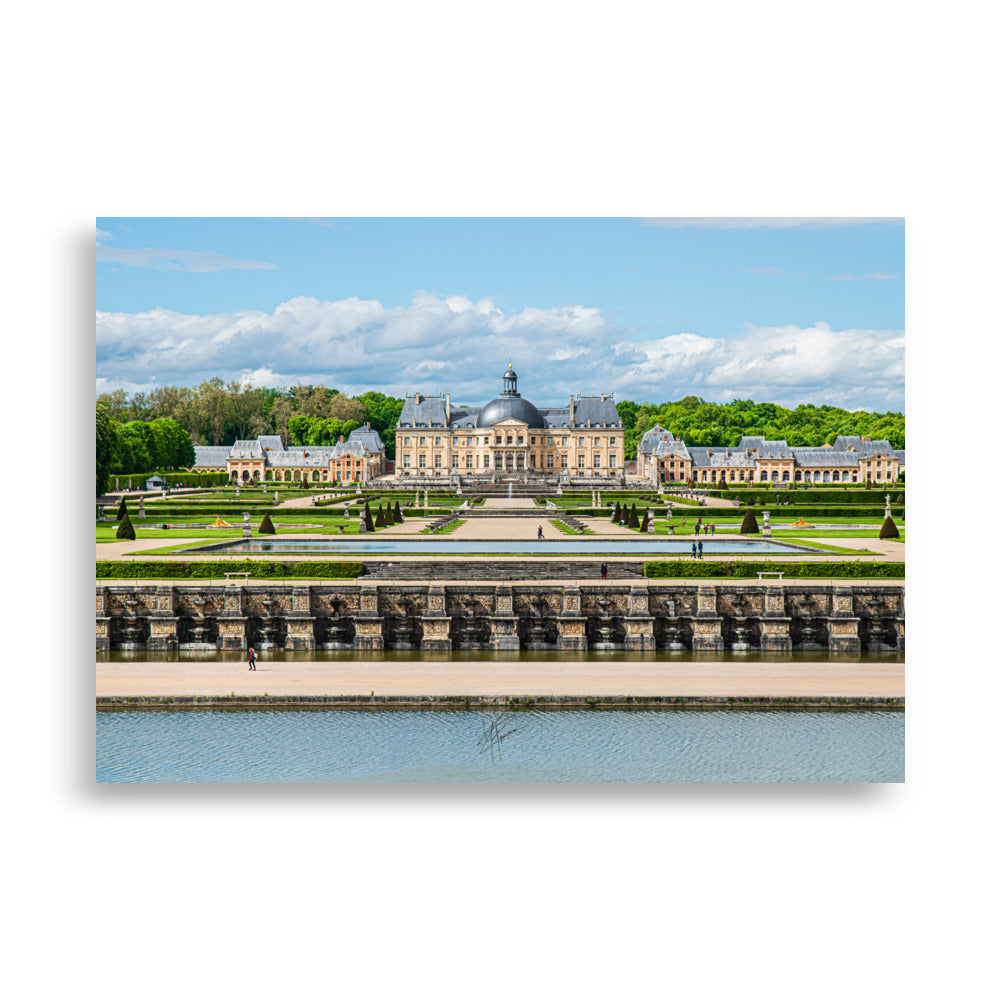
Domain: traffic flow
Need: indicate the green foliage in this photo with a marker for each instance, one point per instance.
(398, 513)
(369, 523)
(107, 433)
(122, 510)
(163, 569)
(889, 529)
(379, 518)
(633, 518)
(125, 529)
(705, 424)
(266, 526)
(616, 514)
(645, 521)
(854, 569)
(749, 525)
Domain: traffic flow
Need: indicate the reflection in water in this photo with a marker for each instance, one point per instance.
(445, 746)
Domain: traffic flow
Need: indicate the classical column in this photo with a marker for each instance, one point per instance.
(707, 631)
(503, 624)
(437, 623)
(571, 623)
(368, 622)
(639, 622)
(102, 607)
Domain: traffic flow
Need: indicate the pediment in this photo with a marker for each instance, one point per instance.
(510, 422)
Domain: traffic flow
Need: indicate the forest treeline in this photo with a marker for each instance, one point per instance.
(220, 413)
(703, 424)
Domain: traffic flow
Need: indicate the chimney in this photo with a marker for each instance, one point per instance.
(340, 440)
(447, 407)
(571, 408)
(368, 425)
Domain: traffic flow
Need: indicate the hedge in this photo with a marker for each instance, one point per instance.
(162, 569)
(818, 497)
(136, 479)
(854, 569)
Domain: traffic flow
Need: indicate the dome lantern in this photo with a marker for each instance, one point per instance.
(510, 381)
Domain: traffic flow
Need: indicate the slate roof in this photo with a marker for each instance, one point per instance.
(556, 417)
(652, 439)
(355, 448)
(717, 458)
(272, 441)
(598, 411)
(429, 412)
(765, 448)
(314, 457)
(371, 439)
(210, 456)
(825, 457)
(900, 453)
(247, 449)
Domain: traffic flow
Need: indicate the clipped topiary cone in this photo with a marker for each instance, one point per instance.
(889, 529)
(122, 510)
(369, 523)
(379, 518)
(616, 514)
(399, 513)
(645, 521)
(266, 527)
(749, 525)
(633, 518)
(125, 529)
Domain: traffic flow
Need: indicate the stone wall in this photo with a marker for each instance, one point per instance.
(630, 615)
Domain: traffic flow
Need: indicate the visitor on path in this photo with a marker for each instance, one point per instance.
(700, 556)
(697, 527)
(694, 551)
(540, 535)
(712, 526)
(604, 571)
(252, 659)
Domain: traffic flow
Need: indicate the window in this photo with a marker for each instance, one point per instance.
(597, 461)
(454, 461)
(563, 462)
(468, 461)
(520, 439)
(423, 441)
(499, 440)
(548, 461)
(611, 461)
(565, 440)
(468, 442)
(532, 440)
(532, 461)
(437, 461)
(437, 442)
(550, 440)
(580, 461)
(423, 461)
(613, 442)
(406, 440)
(784, 476)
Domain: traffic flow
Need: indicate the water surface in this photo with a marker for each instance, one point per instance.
(540, 746)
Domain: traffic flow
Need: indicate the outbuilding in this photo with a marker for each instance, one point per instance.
(155, 483)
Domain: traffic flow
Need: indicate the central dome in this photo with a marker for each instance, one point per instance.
(505, 407)
(509, 404)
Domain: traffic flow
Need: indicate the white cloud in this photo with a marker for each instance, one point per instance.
(103, 234)
(453, 343)
(832, 222)
(161, 258)
(871, 276)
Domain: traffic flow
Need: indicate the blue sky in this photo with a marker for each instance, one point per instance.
(786, 310)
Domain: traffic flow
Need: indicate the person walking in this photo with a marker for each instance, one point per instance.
(697, 527)
(712, 526)
(700, 556)
(604, 571)
(694, 551)
(252, 659)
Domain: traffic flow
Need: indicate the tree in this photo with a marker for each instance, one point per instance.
(125, 529)
(616, 514)
(107, 444)
(266, 526)
(399, 513)
(633, 518)
(369, 523)
(645, 521)
(173, 448)
(749, 525)
(379, 518)
(889, 529)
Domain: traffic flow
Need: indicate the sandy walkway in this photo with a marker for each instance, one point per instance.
(516, 677)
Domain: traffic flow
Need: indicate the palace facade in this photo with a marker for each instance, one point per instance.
(509, 437)
(662, 458)
(266, 459)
